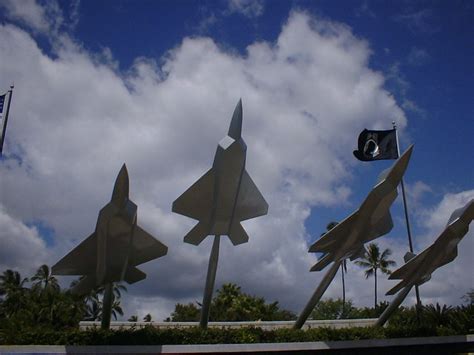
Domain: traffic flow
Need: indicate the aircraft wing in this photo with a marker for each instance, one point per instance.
(81, 260)
(333, 239)
(196, 202)
(250, 202)
(145, 247)
(381, 227)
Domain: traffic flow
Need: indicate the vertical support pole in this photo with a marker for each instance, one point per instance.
(393, 306)
(107, 305)
(418, 301)
(318, 293)
(5, 120)
(210, 279)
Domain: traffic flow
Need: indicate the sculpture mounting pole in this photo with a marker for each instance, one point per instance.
(323, 285)
(392, 307)
(418, 300)
(107, 305)
(210, 279)
(405, 208)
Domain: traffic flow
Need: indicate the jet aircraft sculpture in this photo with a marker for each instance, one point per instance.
(347, 239)
(222, 198)
(112, 252)
(418, 268)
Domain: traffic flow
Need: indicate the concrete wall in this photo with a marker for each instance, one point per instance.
(267, 325)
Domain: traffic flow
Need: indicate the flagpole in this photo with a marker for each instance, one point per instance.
(2, 138)
(418, 301)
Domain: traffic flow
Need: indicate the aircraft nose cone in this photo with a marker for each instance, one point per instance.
(121, 186)
(235, 129)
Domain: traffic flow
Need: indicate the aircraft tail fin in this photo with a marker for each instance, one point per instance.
(237, 234)
(197, 234)
(133, 275)
(408, 256)
(84, 286)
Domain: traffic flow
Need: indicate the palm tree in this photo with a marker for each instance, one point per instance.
(10, 282)
(116, 308)
(373, 261)
(133, 319)
(147, 318)
(93, 310)
(45, 280)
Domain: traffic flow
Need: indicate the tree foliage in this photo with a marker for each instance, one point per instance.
(231, 304)
(27, 303)
(372, 261)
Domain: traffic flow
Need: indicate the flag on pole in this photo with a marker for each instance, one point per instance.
(4, 108)
(377, 145)
(2, 104)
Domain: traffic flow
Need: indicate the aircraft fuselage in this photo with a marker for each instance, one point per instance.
(114, 232)
(228, 166)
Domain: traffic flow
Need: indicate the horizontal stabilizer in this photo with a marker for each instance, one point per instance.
(197, 234)
(237, 234)
(358, 254)
(322, 262)
(84, 286)
(81, 260)
(397, 288)
(133, 275)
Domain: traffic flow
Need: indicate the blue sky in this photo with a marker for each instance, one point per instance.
(153, 83)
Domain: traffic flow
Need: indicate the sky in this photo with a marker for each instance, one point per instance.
(153, 84)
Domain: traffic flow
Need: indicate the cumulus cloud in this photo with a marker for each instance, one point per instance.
(75, 120)
(22, 247)
(453, 280)
(45, 18)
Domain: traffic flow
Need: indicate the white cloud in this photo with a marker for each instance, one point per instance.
(421, 21)
(46, 18)
(248, 8)
(22, 247)
(417, 56)
(450, 282)
(75, 120)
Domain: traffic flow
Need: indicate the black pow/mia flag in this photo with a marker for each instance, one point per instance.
(377, 145)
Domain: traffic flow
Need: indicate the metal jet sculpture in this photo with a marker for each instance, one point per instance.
(347, 239)
(112, 252)
(418, 268)
(220, 200)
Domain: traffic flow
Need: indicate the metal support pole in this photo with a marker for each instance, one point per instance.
(392, 307)
(318, 293)
(210, 279)
(418, 300)
(4, 130)
(107, 305)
